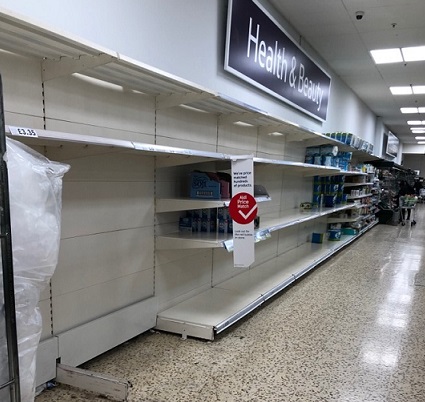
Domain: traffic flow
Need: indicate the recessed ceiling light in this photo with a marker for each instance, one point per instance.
(401, 90)
(382, 56)
(419, 132)
(415, 122)
(409, 110)
(421, 142)
(418, 89)
(396, 55)
(420, 138)
(414, 53)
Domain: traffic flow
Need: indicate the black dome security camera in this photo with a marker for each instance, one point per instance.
(359, 15)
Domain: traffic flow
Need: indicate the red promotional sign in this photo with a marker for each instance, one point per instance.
(243, 208)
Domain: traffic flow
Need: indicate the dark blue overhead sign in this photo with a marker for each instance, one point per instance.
(259, 51)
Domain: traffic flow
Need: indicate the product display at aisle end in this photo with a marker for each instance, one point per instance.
(391, 177)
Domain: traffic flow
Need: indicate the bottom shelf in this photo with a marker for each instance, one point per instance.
(216, 309)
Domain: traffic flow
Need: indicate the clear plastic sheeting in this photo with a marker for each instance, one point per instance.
(35, 187)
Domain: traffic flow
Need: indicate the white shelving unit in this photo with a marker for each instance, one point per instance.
(208, 311)
(211, 312)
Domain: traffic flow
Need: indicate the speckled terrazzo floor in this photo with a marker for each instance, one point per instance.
(353, 330)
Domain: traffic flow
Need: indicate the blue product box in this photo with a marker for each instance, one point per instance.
(330, 200)
(309, 159)
(204, 185)
(205, 225)
(222, 213)
(334, 234)
(349, 231)
(312, 151)
(327, 160)
(330, 150)
(230, 226)
(317, 238)
(317, 160)
(349, 139)
(185, 224)
(206, 213)
(196, 220)
(223, 226)
(316, 199)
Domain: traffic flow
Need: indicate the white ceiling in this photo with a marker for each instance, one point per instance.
(331, 28)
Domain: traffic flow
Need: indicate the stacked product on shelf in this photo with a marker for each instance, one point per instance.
(328, 155)
(324, 155)
(352, 140)
(328, 191)
(356, 187)
(209, 220)
(210, 185)
(359, 191)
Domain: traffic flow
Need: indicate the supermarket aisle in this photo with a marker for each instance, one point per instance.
(351, 331)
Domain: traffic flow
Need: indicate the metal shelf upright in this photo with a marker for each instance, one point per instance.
(8, 308)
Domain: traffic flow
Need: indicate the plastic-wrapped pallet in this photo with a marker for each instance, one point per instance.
(35, 187)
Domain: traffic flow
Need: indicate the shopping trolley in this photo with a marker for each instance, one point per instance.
(407, 205)
(421, 195)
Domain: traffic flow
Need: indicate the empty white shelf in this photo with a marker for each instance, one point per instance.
(356, 197)
(268, 223)
(214, 310)
(186, 204)
(357, 184)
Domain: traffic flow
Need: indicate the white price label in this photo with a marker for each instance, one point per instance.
(23, 131)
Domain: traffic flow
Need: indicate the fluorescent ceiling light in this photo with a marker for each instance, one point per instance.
(421, 142)
(418, 89)
(421, 109)
(415, 122)
(420, 138)
(401, 90)
(396, 55)
(382, 56)
(408, 90)
(415, 53)
(406, 110)
(419, 132)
